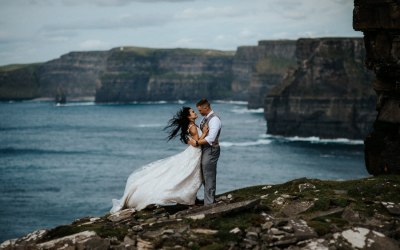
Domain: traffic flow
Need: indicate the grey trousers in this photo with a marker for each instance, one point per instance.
(209, 159)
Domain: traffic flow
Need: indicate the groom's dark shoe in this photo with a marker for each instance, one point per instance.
(198, 201)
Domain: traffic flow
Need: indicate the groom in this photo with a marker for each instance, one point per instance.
(210, 149)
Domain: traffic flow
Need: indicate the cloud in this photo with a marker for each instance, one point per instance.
(95, 2)
(184, 42)
(207, 13)
(220, 38)
(54, 27)
(344, 2)
(110, 23)
(246, 34)
(93, 45)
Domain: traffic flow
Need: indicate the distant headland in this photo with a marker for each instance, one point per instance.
(308, 87)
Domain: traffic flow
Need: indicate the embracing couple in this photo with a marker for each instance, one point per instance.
(177, 179)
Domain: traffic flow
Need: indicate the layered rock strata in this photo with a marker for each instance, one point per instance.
(139, 74)
(129, 74)
(256, 69)
(19, 82)
(274, 60)
(327, 95)
(380, 23)
(75, 74)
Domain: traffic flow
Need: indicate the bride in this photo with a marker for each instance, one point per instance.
(175, 179)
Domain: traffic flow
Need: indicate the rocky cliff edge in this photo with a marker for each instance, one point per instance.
(300, 214)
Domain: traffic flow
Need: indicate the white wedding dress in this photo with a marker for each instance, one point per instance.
(175, 179)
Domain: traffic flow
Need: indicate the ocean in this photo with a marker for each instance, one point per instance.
(61, 163)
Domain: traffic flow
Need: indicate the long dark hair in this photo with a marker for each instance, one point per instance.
(180, 122)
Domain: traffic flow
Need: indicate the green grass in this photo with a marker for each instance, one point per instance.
(12, 67)
(183, 51)
(363, 196)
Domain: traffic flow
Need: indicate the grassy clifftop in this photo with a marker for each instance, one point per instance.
(149, 51)
(300, 214)
(12, 67)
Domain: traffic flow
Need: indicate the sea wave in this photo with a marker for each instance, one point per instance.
(155, 125)
(130, 103)
(19, 151)
(71, 104)
(245, 110)
(14, 190)
(231, 102)
(315, 139)
(245, 144)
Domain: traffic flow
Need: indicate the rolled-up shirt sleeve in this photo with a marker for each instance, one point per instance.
(214, 125)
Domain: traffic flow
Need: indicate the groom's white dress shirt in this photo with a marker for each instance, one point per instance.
(214, 125)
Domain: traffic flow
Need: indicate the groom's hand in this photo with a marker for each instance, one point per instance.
(192, 142)
(205, 129)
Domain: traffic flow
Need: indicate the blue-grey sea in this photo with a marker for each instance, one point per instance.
(60, 163)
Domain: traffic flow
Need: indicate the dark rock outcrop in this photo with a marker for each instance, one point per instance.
(19, 82)
(76, 73)
(300, 214)
(275, 58)
(256, 69)
(327, 96)
(380, 22)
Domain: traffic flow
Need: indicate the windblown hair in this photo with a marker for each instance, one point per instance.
(203, 102)
(179, 122)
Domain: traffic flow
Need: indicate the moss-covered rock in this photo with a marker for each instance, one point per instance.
(298, 214)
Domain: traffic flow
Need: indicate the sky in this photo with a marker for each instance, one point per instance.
(42, 30)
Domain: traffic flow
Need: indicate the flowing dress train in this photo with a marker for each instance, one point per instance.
(175, 179)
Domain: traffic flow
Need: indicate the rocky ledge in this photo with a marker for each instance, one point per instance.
(300, 214)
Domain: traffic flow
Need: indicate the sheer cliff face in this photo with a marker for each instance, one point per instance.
(124, 75)
(275, 58)
(19, 82)
(328, 95)
(256, 69)
(134, 74)
(75, 74)
(380, 23)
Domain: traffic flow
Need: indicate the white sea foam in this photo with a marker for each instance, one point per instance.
(315, 139)
(70, 104)
(157, 102)
(245, 144)
(245, 110)
(134, 102)
(232, 102)
(155, 125)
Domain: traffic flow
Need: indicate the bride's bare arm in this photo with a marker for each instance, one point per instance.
(195, 136)
(193, 133)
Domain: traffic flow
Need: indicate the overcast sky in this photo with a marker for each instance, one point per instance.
(41, 30)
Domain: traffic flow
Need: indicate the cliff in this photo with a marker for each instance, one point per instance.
(128, 74)
(380, 23)
(328, 95)
(256, 69)
(75, 73)
(300, 214)
(19, 82)
(275, 59)
(141, 74)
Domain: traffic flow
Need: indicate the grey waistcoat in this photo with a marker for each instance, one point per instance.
(206, 120)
